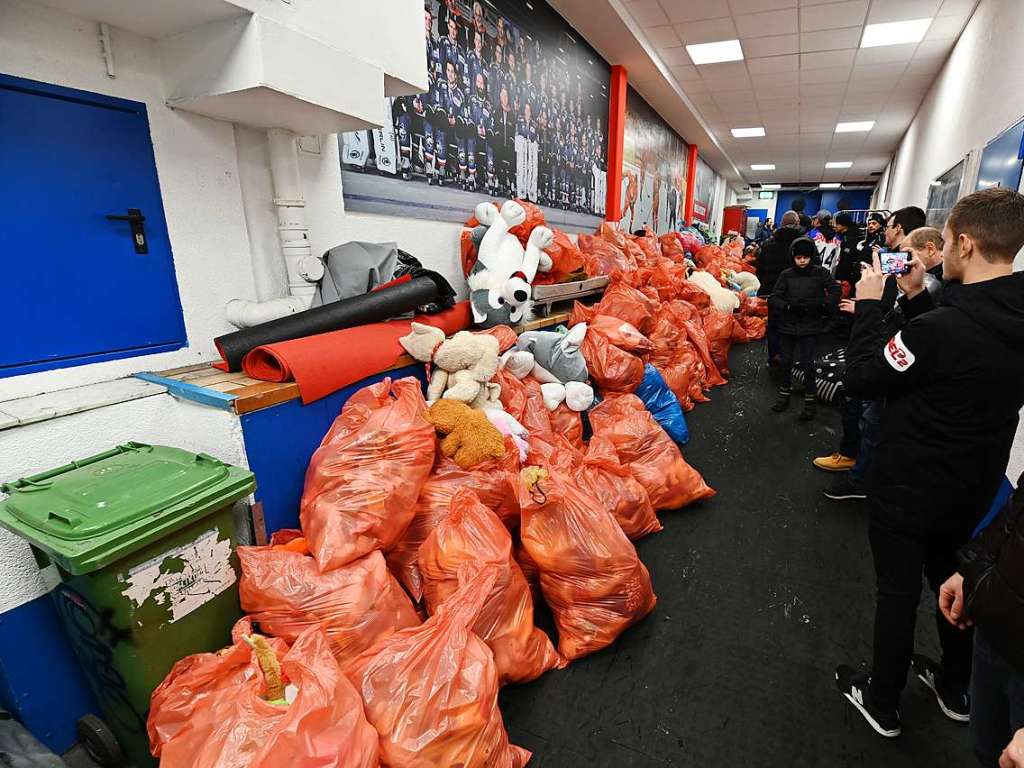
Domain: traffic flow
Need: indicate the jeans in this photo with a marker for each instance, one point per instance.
(900, 557)
(997, 702)
(851, 411)
(804, 348)
(870, 424)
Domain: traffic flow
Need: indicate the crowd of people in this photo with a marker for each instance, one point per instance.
(933, 388)
(502, 115)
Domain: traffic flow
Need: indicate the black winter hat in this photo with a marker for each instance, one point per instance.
(803, 246)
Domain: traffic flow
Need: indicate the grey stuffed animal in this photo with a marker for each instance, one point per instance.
(557, 355)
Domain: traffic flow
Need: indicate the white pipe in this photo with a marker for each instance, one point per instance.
(303, 268)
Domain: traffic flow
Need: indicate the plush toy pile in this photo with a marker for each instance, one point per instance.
(430, 524)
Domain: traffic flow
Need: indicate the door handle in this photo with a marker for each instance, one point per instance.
(136, 221)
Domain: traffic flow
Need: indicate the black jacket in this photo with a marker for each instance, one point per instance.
(806, 300)
(774, 258)
(993, 573)
(953, 384)
(849, 258)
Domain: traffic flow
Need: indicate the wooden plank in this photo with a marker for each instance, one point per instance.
(191, 392)
(172, 373)
(264, 395)
(208, 377)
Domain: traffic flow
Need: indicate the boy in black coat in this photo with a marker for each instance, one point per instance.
(805, 296)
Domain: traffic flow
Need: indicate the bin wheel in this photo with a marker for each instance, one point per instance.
(99, 741)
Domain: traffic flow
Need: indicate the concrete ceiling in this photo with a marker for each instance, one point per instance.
(803, 71)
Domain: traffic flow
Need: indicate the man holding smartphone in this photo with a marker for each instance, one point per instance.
(953, 384)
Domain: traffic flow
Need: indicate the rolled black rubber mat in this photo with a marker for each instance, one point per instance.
(392, 300)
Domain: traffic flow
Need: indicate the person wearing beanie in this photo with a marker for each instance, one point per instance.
(805, 296)
(874, 234)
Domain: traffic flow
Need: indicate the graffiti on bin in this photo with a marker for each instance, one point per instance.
(96, 637)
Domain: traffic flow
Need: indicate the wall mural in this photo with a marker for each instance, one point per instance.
(705, 190)
(653, 170)
(517, 107)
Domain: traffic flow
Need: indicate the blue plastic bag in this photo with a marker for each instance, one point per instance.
(663, 405)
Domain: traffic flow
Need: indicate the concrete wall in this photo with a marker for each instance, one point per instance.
(978, 94)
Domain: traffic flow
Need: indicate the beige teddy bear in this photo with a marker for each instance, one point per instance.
(462, 365)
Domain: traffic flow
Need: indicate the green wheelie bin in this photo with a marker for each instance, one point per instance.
(143, 538)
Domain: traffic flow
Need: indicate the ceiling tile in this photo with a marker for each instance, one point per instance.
(696, 87)
(833, 41)
(685, 74)
(709, 31)
(778, 97)
(725, 69)
(740, 7)
(904, 10)
(834, 16)
(675, 57)
(769, 64)
(828, 75)
(957, 7)
(767, 24)
(647, 13)
(778, 45)
(662, 37)
(827, 59)
(886, 54)
(924, 67)
(874, 86)
(694, 10)
(945, 28)
(933, 49)
(879, 71)
(728, 83)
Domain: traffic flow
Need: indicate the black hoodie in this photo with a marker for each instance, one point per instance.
(774, 258)
(953, 384)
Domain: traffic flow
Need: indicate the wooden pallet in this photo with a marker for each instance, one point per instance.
(237, 392)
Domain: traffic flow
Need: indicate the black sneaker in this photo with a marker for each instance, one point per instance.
(954, 706)
(854, 686)
(844, 490)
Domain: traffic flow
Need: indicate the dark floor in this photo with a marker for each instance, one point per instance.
(761, 592)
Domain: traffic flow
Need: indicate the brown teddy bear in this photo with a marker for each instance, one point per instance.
(470, 436)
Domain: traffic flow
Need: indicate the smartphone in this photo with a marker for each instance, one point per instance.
(894, 263)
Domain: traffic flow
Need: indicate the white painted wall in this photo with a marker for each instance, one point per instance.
(160, 420)
(197, 166)
(978, 94)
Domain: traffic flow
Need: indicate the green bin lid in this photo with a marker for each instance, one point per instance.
(95, 511)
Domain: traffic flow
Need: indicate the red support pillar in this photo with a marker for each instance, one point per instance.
(691, 183)
(616, 132)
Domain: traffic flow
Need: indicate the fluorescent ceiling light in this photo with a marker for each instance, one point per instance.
(895, 33)
(763, 167)
(747, 133)
(936, 183)
(712, 53)
(771, 186)
(862, 127)
(838, 165)
(830, 185)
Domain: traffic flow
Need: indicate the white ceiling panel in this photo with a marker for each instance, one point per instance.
(924, 67)
(686, 74)
(662, 37)
(902, 10)
(887, 54)
(675, 56)
(835, 40)
(830, 75)
(945, 28)
(957, 7)
(827, 59)
(927, 49)
(694, 10)
(771, 64)
(777, 45)
(723, 69)
(647, 12)
(767, 24)
(709, 31)
(834, 16)
(740, 7)
(879, 71)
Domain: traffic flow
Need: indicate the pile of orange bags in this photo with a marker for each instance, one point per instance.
(432, 691)
(602, 475)
(363, 481)
(493, 482)
(649, 453)
(590, 574)
(609, 348)
(210, 711)
(472, 535)
(357, 605)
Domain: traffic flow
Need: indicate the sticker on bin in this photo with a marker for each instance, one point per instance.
(184, 578)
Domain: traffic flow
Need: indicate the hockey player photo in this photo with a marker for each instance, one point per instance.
(515, 106)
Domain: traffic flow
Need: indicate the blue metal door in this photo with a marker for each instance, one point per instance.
(77, 290)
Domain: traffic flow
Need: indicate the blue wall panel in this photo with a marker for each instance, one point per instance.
(280, 440)
(832, 200)
(41, 682)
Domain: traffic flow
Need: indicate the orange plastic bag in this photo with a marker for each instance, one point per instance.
(614, 486)
(472, 535)
(432, 691)
(612, 369)
(590, 573)
(672, 247)
(650, 246)
(567, 261)
(581, 313)
(695, 333)
(567, 423)
(356, 605)
(603, 258)
(621, 333)
(209, 712)
(629, 304)
(756, 327)
(649, 453)
(694, 294)
(707, 254)
(494, 483)
(718, 327)
(506, 337)
(363, 481)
